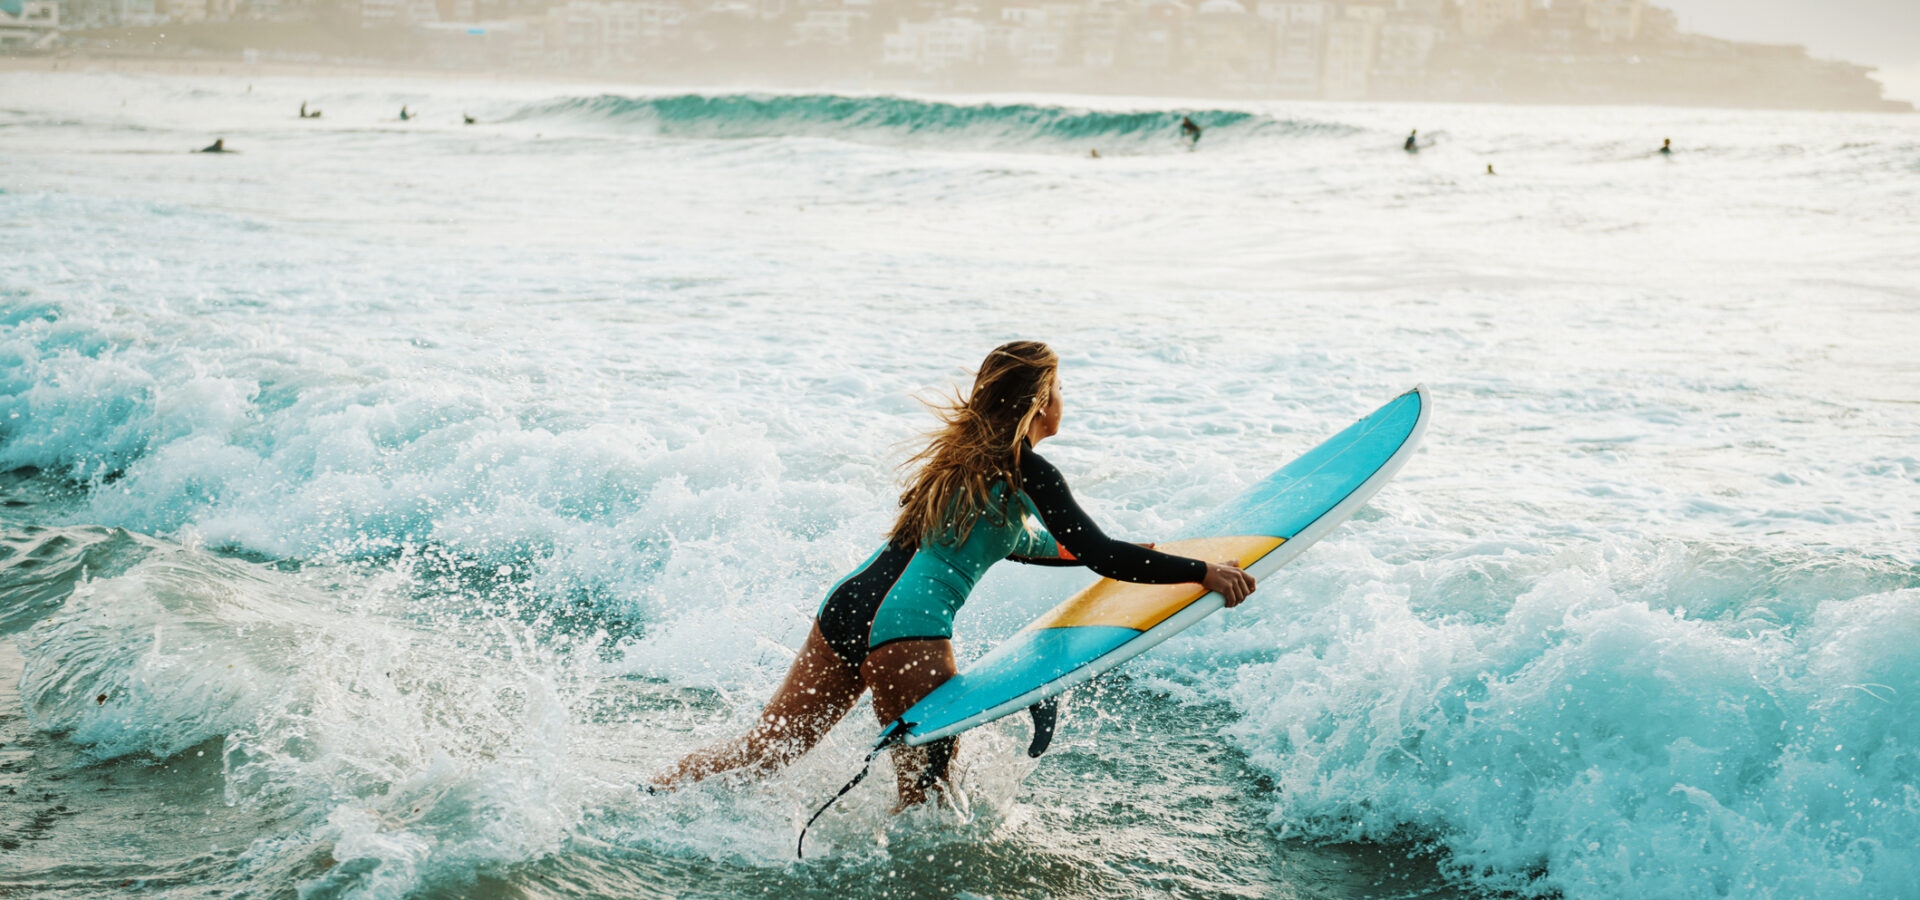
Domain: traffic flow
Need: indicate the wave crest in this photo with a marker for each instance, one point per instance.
(897, 119)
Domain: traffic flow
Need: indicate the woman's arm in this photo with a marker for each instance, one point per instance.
(1053, 554)
(1082, 540)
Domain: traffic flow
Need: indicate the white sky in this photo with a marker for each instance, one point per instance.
(1883, 33)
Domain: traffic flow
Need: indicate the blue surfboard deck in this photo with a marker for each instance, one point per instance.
(1111, 622)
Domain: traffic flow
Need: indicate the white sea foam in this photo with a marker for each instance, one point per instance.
(412, 754)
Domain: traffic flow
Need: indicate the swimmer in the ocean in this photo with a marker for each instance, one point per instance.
(980, 494)
(1190, 129)
(1094, 153)
(466, 118)
(404, 115)
(1666, 147)
(308, 115)
(1489, 168)
(219, 145)
(1413, 142)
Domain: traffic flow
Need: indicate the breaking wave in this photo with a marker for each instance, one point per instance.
(895, 119)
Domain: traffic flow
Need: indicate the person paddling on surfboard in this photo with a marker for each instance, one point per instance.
(979, 494)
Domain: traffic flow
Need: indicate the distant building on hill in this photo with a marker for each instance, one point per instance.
(1352, 40)
(29, 25)
(1480, 19)
(1615, 20)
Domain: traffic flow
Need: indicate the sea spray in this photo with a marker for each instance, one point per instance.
(409, 754)
(1595, 737)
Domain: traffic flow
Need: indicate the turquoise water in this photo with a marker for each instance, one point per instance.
(382, 502)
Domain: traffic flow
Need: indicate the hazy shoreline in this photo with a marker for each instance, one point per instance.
(183, 65)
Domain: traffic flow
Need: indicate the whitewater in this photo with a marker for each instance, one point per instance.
(383, 501)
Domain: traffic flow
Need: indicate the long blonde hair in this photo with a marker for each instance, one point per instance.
(976, 446)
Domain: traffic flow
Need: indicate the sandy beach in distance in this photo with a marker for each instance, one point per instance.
(162, 65)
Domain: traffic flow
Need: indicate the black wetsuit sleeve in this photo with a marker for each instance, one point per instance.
(1046, 560)
(1079, 536)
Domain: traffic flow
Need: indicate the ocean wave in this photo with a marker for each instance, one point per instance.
(1631, 725)
(41, 566)
(889, 119)
(409, 749)
(280, 458)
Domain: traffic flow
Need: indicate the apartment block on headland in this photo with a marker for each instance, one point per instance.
(29, 25)
(1585, 51)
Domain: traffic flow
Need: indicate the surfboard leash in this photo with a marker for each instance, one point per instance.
(939, 755)
(895, 734)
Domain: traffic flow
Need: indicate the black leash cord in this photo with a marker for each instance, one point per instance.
(940, 753)
(892, 736)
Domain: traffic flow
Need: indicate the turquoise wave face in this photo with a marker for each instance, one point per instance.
(896, 119)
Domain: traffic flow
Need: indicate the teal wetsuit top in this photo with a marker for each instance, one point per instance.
(941, 576)
(912, 593)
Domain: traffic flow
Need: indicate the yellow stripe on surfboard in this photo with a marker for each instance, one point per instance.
(1142, 606)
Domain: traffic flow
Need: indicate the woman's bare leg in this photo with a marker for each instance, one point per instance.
(900, 674)
(818, 691)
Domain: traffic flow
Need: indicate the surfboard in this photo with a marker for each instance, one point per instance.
(1110, 622)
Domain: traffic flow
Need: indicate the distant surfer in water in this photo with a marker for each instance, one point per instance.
(1666, 146)
(1413, 142)
(308, 115)
(466, 118)
(219, 145)
(888, 626)
(404, 115)
(1190, 130)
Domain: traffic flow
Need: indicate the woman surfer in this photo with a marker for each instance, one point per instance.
(888, 626)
